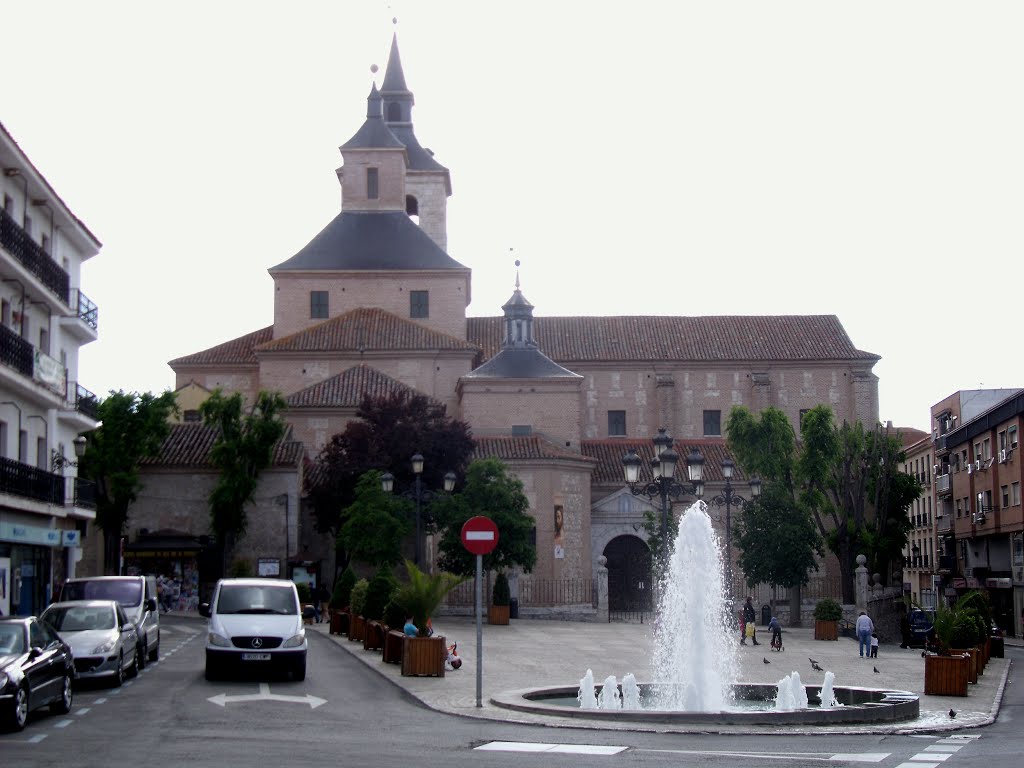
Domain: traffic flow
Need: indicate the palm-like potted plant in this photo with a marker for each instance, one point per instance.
(420, 597)
(498, 613)
(827, 614)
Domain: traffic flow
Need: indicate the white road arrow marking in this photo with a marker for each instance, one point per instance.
(222, 699)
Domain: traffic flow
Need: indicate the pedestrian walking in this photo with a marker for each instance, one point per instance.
(749, 622)
(864, 629)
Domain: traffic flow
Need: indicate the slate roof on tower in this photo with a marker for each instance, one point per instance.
(367, 240)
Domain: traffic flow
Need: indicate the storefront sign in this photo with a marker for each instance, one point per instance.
(70, 538)
(959, 583)
(973, 583)
(998, 583)
(30, 534)
(269, 568)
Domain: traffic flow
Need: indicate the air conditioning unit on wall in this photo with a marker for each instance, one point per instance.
(977, 465)
(1002, 456)
(970, 468)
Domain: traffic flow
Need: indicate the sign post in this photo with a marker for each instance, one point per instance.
(479, 537)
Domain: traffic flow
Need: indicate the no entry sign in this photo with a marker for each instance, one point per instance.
(479, 535)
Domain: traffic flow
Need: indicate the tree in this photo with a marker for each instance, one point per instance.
(777, 543)
(767, 446)
(389, 430)
(490, 491)
(375, 524)
(132, 427)
(242, 449)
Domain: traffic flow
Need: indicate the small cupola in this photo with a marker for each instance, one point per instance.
(373, 175)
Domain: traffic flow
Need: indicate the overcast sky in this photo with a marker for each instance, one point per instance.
(862, 159)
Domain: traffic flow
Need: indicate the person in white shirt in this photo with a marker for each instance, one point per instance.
(864, 629)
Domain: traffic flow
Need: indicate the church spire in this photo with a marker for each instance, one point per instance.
(518, 320)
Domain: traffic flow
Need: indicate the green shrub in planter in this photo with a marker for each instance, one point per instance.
(358, 597)
(378, 595)
(828, 609)
(395, 615)
(343, 589)
(304, 594)
(500, 594)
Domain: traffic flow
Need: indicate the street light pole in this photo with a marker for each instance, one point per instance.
(728, 498)
(419, 494)
(663, 485)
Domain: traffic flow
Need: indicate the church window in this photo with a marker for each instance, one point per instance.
(318, 305)
(419, 304)
(616, 423)
(394, 112)
(412, 206)
(712, 423)
(372, 184)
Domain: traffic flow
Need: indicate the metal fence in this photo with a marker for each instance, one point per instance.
(531, 593)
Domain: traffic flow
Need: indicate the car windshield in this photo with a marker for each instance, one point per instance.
(128, 592)
(79, 618)
(12, 638)
(238, 598)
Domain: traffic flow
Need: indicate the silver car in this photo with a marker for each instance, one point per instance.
(103, 641)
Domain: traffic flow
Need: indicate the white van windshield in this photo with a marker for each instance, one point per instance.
(128, 592)
(248, 598)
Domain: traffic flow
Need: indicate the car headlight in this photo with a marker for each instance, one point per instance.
(295, 640)
(3, 680)
(105, 647)
(219, 640)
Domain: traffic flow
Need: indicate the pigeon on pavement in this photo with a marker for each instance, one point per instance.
(876, 670)
(817, 668)
(765, 660)
(952, 713)
(812, 660)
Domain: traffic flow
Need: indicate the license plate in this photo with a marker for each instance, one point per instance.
(255, 657)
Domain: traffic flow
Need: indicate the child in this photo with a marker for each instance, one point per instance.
(874, 645)
(452, 657)
(776, 629)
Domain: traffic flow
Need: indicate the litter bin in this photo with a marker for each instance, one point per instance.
(766, 615)
(513, 608)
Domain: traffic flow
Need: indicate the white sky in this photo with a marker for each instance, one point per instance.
(862, 159)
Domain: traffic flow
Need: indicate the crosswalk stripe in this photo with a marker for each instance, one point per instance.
(564, 749)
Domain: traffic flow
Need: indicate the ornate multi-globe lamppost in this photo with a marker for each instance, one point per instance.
(419, 494)
(663, 484)
(728, 498)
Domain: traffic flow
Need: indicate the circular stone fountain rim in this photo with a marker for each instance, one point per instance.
(888, 706)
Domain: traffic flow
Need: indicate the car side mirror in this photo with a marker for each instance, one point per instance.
(151, 604)
(35, 652)
(204, 609)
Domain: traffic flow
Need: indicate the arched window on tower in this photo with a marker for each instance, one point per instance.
(394, 112)
(412, 208)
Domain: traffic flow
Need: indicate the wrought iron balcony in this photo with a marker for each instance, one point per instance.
(30, 482)
(83, 401)
(85, 493)
(16, 241)
(86, 310)
(16, 352)
(946, 563)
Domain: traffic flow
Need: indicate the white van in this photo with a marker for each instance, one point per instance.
(135, 594)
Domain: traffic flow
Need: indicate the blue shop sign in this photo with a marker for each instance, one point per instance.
(30, 534)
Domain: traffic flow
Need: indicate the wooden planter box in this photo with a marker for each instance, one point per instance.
(373, 635)
(497, 614)
(356, 628)
(394, 642)
(973, 656)
(946, 675)
(339, 622)
(423, 656)
(826, 630)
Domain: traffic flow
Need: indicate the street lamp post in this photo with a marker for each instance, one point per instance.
(729, 498)
(419, 494)
(663, 486)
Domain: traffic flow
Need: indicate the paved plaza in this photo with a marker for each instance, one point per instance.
(536, 653)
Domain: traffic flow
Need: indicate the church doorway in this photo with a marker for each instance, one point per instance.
(630, 588)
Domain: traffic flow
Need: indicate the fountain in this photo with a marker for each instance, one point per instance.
(696, 663)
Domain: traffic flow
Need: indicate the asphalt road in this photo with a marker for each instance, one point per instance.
(346, 714)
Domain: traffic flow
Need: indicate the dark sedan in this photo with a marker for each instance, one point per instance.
(36, 670)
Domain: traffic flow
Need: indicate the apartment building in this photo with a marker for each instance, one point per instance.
(45, 319)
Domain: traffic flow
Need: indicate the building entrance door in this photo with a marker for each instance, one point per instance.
(630, 586)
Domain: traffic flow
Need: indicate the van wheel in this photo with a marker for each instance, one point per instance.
(133, 670)
(155, 653)
(140, 653)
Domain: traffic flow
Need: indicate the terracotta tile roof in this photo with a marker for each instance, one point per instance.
(235, 352)
(367, 330)
(655, 338)
(608, 453)
(188, 445)
(509, 448)
(347, 389)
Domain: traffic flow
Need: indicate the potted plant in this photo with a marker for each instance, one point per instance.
(947, 673)
(420, 597)
(357, 601)
(827, 614)
(339, 603)
(394, 636)
(378, 594)
(500, 599)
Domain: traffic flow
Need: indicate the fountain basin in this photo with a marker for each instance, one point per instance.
(860, 705)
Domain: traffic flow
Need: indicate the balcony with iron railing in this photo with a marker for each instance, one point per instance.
(83, 401)
(946, 563)
(26, 481)
(85, 309)
(15, 352)
(17, 242)
(944, 484)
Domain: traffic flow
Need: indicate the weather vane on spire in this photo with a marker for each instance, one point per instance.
(510, 250)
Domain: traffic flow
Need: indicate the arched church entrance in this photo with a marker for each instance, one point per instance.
(629, 574)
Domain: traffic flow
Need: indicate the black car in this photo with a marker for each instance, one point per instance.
(921, 627)
(36, 670)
